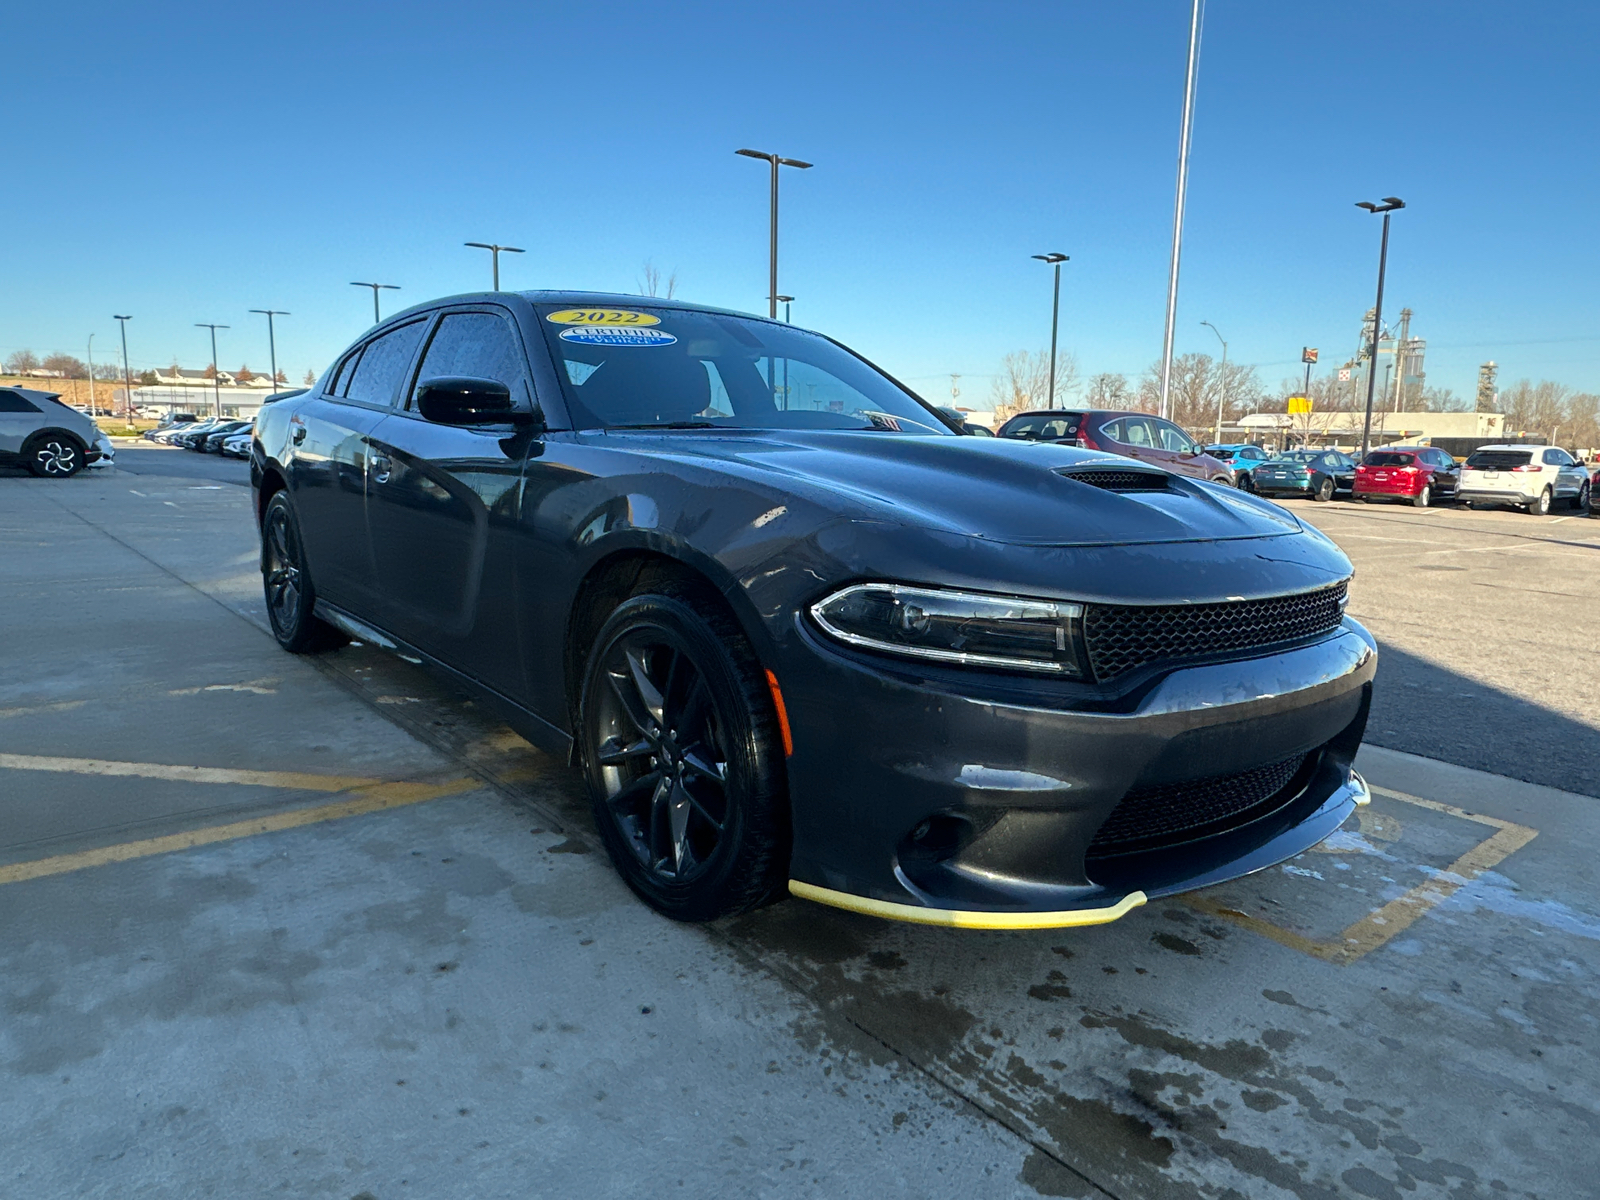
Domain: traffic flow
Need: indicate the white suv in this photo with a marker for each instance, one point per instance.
(1531, 477)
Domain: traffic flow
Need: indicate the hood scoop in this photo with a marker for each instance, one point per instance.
(1118, 479)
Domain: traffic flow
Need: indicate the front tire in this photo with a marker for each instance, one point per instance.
(290, 596)
(55, 456)
(683, 757)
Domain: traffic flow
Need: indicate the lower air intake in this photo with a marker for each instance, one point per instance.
(1169, 813)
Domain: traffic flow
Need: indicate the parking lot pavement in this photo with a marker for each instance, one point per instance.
(449, 996)
(137, 457)
(1488, 629)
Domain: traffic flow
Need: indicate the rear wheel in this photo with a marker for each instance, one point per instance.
(290, 597)
(1541, 506)
(683, 757)
(1423, 498)
(55, 456)
(1324, 490)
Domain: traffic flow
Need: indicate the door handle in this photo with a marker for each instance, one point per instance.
(380, 466)
(299, 434)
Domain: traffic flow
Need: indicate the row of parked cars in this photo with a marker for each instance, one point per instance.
(1536, 479)
(227, 436)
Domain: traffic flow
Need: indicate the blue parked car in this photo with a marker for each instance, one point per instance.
(1242, 459)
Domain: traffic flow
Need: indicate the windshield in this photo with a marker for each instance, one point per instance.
(643, 367)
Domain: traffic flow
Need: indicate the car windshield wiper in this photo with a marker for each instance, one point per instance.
(670, 425)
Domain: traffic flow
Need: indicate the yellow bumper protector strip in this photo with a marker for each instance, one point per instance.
(956, 918)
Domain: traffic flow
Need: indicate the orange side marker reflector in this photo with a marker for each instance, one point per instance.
(783, 715)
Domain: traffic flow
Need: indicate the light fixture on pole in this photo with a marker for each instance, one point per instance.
(786, 301)
(496, 251)
(272, 341)
(216, 371)
(1177, 208)
(394, 287)
(1222, 379)
(127, 376)
(1055, 260)
(1388, 207)
(776, 161)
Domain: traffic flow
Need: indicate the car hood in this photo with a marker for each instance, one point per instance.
(996, 489)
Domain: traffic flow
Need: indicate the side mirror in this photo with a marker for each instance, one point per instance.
(463, 400)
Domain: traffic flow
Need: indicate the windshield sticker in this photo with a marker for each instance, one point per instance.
(617, 335)
(601, 316)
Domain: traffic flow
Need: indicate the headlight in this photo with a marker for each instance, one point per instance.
(957, 627)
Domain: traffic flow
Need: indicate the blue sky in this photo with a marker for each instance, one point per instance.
(188, 163)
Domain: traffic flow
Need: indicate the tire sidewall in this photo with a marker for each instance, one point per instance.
(1541, 506)
(755, 786)
(295, 638)
(1424, 497)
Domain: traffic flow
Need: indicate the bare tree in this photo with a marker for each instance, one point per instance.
(1024, 382)
(651, 283)
(1535, 408)
(22, 361)
(311, 377)
(1583, 418)
(67, 365)
(1108, 390)
(1198, 384)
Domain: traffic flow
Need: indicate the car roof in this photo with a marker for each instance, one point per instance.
(1081, 412)
(1509, 446)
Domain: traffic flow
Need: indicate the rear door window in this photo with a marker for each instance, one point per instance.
(383, 365)
(10, 402)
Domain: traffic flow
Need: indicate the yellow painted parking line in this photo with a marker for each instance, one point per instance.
(370, 795)
(1395, 917)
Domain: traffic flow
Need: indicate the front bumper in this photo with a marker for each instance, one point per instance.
(918, 802)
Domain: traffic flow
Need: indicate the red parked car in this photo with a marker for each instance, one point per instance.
(1419, 474)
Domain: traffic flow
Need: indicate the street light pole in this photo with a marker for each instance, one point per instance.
(92, 405)
(1177, 210)
(216, 371)
(1389, 205)
(495, 250)
(1222, 380)
(272, 341)
(127, 376)
(394, 287)
(1056, 260)
(776, 161)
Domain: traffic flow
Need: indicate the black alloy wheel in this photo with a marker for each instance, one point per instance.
(1541, 506)
(55, 456)
(1421, 499)
(1324, 491)
(290, 598)
(683, 758)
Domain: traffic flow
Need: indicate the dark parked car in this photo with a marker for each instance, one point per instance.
(1417, 474)
(958, 421)
(1242, 459)
(212, 442)
(197, 439)
(1133, 435)
(1315, 473)
(806, 638)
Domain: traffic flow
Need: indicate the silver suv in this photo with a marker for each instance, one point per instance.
(47, 437)
(1533, 478)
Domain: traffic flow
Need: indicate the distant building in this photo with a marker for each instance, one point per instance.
(180, 377)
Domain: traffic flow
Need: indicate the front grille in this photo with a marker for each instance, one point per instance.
(1119, 481)
(1173, 812)
(1122, 637)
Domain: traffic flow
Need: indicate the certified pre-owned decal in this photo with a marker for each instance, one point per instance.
(617, 335)
(602, 316)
